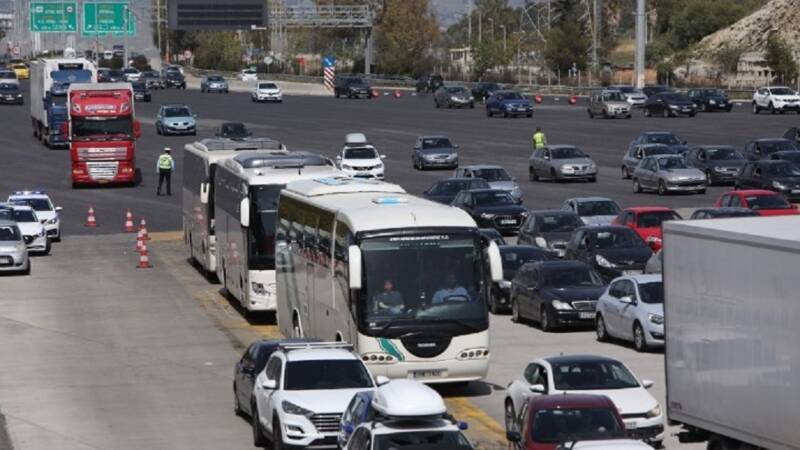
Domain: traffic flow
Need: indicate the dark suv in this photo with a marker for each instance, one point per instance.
(708, 99)
(352, 87)
(430, 83)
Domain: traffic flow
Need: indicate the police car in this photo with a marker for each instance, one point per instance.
(401, 414)
(32, 229)
(45, 211)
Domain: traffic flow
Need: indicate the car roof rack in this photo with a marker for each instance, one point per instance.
(315, 346)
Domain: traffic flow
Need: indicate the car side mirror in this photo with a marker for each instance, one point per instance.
(455, 145)
(269, 384)
(380, 380)
(647, 384)
(684, 142)
(518, 201)
(349, 428)
(626, 299)
(538, 389)
(513, 436)
(383, 156)
(59, 209)
(546, 157)
(338, 157)
(194, 116)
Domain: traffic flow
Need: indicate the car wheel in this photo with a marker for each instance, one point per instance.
(259, 439)
(637, 188)
(531, 114)
(709, 180)
(625, 174)
(532, 174)
(27, 270)
(493, 303)
(158, 130)
(48, 246)
(662, 188)
(771, 108)
(515, 315)
(591, 114)
(546, 320)
(488, 112)
(701, 191)
(472, 106)
(277, 436)
(692, 114)
(646, 112)
(600, 328)
(237, 407)
(553, 175)
(703, 107)
(593, 179)
(436, 102)
(639, 340)
(605, 114)
(510, 416)
(505, 114)
(666, 113)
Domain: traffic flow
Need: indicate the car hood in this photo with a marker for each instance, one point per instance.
(626, 256)
(269, 91)
(556, 236)
(628, 401)
(786, 97)
(717, 98)
(617, 104)
(677, 174)
(516, 102)
(504, 185)
(608, 444)
(571, 161)
(361, 162)
(30, 228)
(651, 308)
(438, 152)
(500, 210)
(679, 103)
(575, 293)
(323, 401)
(598, 220)
(46, 215)
(793, 182)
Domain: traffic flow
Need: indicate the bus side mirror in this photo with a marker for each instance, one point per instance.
(495, 262)
(244, 212)
(204, 193)
(137, 129)
(354, 266)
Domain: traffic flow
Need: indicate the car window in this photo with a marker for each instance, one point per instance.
(616, 238)
(493, 198)
(767, 202)
(558, 223)
(655, 219)
(413, 440)
(579, 375)
(436, 142)
(273, 370)
(360, 439)
(598, 208)
(723, 154)
(177, 112)
(651, 293)
(664, 138)
(560, 425)
(9, 233)
(578, 276)
(326, 374)
(24, 216)
(671, 163)
(734, 200)
(360, 153)
(566, 153)
(493, 174)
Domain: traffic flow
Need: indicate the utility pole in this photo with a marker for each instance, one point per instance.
(480, 26)
(596, 19)
(640, 44)
(469, 26)
(158, 27)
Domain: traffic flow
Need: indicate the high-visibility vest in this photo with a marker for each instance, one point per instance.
(165, 162)
(538, 139)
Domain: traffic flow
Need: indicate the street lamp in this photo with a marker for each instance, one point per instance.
(503, 27)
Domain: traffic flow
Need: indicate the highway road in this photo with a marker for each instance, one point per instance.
(98, 355)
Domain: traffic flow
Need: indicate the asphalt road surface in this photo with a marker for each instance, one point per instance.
(97, 354)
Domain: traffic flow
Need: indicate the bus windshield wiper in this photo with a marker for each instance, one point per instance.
(462, 322)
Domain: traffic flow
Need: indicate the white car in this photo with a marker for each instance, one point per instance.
(8, 76)
(131, 74)
(33, 231)
(247, 75)
(45, 211)
(634, 97)
(776, 99)
(587, 374)
(593, 210)
(13, 251)
(632, 308)
(267, 92)
(302, 392)
(359, 158)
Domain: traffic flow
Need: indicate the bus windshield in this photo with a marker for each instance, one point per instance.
(264, 210)
(432, 279)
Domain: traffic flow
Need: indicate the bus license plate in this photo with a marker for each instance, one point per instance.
(430, 373)
(586, 315)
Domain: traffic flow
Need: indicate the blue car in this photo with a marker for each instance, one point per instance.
(509, 104)
(358, 411)
(175, 119)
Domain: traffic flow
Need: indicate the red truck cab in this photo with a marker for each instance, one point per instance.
(102, 131)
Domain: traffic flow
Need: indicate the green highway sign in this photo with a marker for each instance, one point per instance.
(54, 17)
(108, 18)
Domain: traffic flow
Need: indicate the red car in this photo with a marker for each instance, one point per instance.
(646, 222)
(765, 203)
(546, 421)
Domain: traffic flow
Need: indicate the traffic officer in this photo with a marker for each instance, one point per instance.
(165, 167)
(539, 141)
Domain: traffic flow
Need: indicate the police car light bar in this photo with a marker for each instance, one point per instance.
(29, 193)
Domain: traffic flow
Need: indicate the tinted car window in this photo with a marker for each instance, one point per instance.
(592, 375)
(621, 238)
(493, 174)
(565, 425)
(493, 198)
(667, 139)
(783, 170)
(574, 276)
(651, 293)
(766, 202)
(436, 143)
(326, 374)
(598, 208)
(566, 153)
(177, 112)
(513, 259)
(558, 223)
(723, 154)
(9, 233)
(360, 153)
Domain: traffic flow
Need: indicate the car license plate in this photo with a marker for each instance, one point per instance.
(429, 373)
(508, 222)
(5, 260)
(586, 315)
(795, 191)
(631, 272)
(630, 425)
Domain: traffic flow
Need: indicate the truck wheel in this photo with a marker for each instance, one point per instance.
(639, 340)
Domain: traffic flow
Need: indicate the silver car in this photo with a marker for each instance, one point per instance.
(434, 152)
(634, 97)
(593, 210)
(13, 251)
(632, 309)
(637, 152)
(496, 176)
(561, 162)
(608, 104)
(668, 173)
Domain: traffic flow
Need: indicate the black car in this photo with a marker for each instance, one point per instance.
(721, 163)
(724, 212)
(513, 257)
(489, 235)
(233, 130)
(773, 175)
(793, 134)
(351, 87)
(429, 83)
(10, 94)
(110, 76)
(152, 79)
(249, 366)
(612, 250)
(667, 138)
(556, 294)
(763, 148)
(710, 99)
(793, 156)
(494, 208)
(669, 104)
(174, 78)
(549, 229)
(446, 190)
(484, 90)
(656, 89)
(141, 92)
(453, 97)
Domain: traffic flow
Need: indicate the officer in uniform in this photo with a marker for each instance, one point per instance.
(165, 166)
(539, 141)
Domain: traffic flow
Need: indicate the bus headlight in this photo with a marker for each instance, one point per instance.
(473, 353)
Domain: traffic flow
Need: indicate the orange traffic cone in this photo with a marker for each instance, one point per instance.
(143, 229)
(139, 241)
(573, 100)
(538, 99)
(397, 93)
(91, 221)
(376, 94)
(129, 222)
(144, 259)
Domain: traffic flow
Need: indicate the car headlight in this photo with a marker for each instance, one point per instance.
(673, 106)
(712, 102)
(604, 262)
(346, 167)
(291, 408)
(505, 284)
(455, 99)
(778, 185)
(379, 166)
(471, 98)
(487, 216)
(567, 169)
(719, 169)
(540, 241)
(19, 95)
(657, 319)
(524, 214)
(559, 305)
(655, 412)
(52, 221)
(592, 167)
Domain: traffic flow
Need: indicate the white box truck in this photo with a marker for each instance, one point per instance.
(732, 321)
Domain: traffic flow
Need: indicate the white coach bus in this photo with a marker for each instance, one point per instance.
(404, 279)
(246, 190)
(199, 166)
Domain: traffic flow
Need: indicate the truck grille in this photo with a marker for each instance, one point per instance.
(326, 423)
(102, 170)
(102, 153)
(585, 305)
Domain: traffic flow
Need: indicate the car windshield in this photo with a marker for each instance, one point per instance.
(514, 257)
(436, 142)
(355, 81)
(177, 112)
(659, 150)
(174, 74)
(5, 74)
(115, 73)
(564, 425)
(592, 375)
(621, 238)
(130, 70)
(360, 153)
(215, 78)
(652, 293)
(782, 169)
(577, 276)
(493, 198)
(234, 130)
(38, 204)
(713, 93)
(566, 153)
(674, 97)
(139, 86)
(793, 157)
(671, 163)
(493, 174)
(8, 214)
(150, 74)
(597, 208)
(613, 97)
(767, 202)
(656, 218)
(8, 88)
(558, 223)
(425, 440)
(9, 233)
(511, 96)
(782, 91)
(776, 146)
(663, 138)
(267, 86)
(24, 215)
(456, 90)
(326, 374)
(723, 154)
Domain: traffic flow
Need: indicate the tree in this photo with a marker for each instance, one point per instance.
(487, 55)
(780, 59)
(218, 50)
(567, 44)
(727, 58)
(406, 37)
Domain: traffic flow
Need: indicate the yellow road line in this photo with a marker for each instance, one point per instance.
(483, 430)
(164, 236)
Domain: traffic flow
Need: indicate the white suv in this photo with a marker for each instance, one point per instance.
(776, 99)
(45, 211)
(303, 391)
(359, 158)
